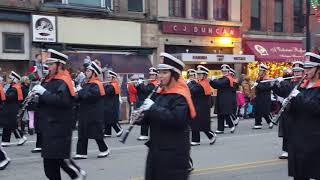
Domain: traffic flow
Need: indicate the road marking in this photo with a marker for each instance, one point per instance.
(232, 167)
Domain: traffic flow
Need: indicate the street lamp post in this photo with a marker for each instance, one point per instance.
(308, 26)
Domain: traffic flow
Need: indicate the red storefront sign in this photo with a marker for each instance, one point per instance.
(275, 50)
(200, 30)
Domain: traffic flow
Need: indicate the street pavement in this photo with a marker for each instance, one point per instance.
(245, 155)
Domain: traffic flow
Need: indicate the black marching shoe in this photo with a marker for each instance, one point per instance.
(36, 150)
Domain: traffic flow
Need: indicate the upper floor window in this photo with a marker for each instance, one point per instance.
(86, 2)
(255, 15)
(278, 20)
(93, 3)
(298, 17)
(13, 42)
(221, 8)
(199, 9)
(136, 5)
(177, 8)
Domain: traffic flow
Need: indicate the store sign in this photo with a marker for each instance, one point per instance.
(214, 58)
(44, 28)
(200, 29)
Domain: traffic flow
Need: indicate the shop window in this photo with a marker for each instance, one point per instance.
(298, 16)
(13, 42)
(136, 5)
(255, 15)
(109, 4)
(177, 8)
(199, 9)
(221, 9)
(278, 21)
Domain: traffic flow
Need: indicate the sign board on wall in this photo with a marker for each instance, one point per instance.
(214, 58)
(44, 28)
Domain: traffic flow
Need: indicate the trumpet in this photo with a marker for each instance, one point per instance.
(284, 106)
(136, 117)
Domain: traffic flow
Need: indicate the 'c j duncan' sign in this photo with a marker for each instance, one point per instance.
(200, 29)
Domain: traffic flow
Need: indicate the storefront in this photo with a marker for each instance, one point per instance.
(276, 54)
(206, 44)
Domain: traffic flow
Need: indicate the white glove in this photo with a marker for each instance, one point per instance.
(255, 84)
(213, 78)
(138, 82)
(279, 79)
(147, 104)
(78, 88)
(38, 89)
(295, 93)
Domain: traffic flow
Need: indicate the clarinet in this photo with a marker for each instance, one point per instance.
(284, 106)
(26, 102)
(138, 117)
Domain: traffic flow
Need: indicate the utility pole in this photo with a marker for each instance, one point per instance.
(308, 26)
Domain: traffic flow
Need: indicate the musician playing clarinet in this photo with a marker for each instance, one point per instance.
(282, 88)
(304, 131)
(168, 113)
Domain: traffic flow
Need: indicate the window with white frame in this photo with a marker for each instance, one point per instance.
(93, 3)
(136, 5)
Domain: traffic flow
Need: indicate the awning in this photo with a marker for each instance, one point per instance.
(274, 50)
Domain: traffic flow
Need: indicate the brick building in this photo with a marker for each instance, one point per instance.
(274, 31)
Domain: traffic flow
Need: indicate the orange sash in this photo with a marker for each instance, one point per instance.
(116, 86)
(206, 86)
(65, 76)
(180, 88)
(306, 82)
(154, 82)
(2, 94)
(231, 80)
(17, 86)
(95, 80)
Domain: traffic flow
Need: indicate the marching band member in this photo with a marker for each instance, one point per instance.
(144, 89)
(55, 99)
(226, 100)
(91, 98)
(304, 132)
(191, 75)
(132, 94)
(168, 113)
(4, 160)
(38, 115)
(262, 103)
(14, 97)
(201, 94)
(234, 116)
(283, 88)
(112, 105)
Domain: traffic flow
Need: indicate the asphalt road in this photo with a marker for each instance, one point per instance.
(245, 155)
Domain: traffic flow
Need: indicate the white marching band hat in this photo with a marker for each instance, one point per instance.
(56, 57)
(312, 60)
(232, 71)
(297, 66)
(14, 76)
(263, 67)
(112, 74)
(202, 70)
(225, 67)
(153, 71)
(191, 72)
(94, 67)
(170, 63)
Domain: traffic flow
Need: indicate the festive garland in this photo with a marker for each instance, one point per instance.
(315, 4)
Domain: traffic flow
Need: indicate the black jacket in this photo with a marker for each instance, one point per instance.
(304, 146)
(225, 100)
(91, 112)
(10, 109)
(201, 102)
(143, 92)
(56, 123)
(111, 105)
(262, 105)
(169, 144)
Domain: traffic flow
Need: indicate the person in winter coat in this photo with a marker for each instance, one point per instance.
(234, 116)
(283, 88)
(4, 160)
(168, 112)
(304, 132)
(201, 94)
(55, 100)
(111, 106)
(226, 100)
(132, 95)
(14, 97)
(143, 90)
(91, 98)
(262, 105)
